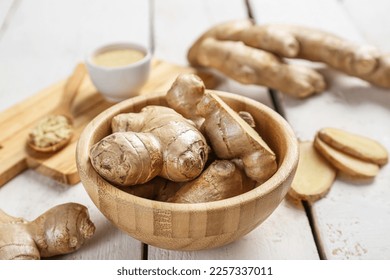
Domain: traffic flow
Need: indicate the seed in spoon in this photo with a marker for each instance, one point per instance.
(50, 131)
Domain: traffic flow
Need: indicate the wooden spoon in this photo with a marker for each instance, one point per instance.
(63, 110)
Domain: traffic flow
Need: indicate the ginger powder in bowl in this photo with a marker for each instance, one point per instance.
(119, 70)
(117, 58)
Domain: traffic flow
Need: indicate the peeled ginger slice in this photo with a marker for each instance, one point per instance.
(350, 165)
(314, 176)
(355, 145)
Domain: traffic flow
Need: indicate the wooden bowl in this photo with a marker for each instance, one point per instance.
(191, 226)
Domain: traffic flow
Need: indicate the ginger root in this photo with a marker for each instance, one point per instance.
(127, 158)
(248, 65)
(222, 179)
(243, 52)
(61, 230)
(362, 61)
(155, 141)
(232, 138)
(185, 94)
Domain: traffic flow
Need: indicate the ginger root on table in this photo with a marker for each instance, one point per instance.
(221, 48)
(61, 230)
(291, 41)
(155, 141)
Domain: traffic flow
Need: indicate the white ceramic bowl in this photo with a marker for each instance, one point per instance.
(119, 83)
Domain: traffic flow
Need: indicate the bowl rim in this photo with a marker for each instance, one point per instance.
(288, 164)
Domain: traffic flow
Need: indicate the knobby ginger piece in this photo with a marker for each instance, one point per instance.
(61, 230)
(231, 137)
(314, 176)
(185, 94)
(350, 165)
(292, 41)
(127, 158)
(271, 39)
(222, 179)
(248, 65)
(355, 145)
(184, 149)
(362, 61)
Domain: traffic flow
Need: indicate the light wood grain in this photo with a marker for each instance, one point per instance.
(348, 220)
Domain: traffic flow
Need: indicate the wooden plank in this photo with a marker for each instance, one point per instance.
(371, 19)
(349, 220)
(174, 33)
(43, 42)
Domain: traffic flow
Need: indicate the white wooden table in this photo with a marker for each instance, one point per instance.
(42, 40)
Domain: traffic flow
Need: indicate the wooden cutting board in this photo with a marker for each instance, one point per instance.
(17, 121)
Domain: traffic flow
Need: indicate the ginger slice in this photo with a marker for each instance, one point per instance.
(314, 176)
(350, 165)
(355, 145)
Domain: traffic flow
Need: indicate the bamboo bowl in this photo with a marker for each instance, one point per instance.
(190, 226)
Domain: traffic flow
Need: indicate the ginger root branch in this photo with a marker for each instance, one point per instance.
(253, 66)
(61, 230)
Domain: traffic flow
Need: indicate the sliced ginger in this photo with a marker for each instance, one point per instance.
(314, 176)
(355, 145)
(231, 137)
(349, 165)
(334, 149)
